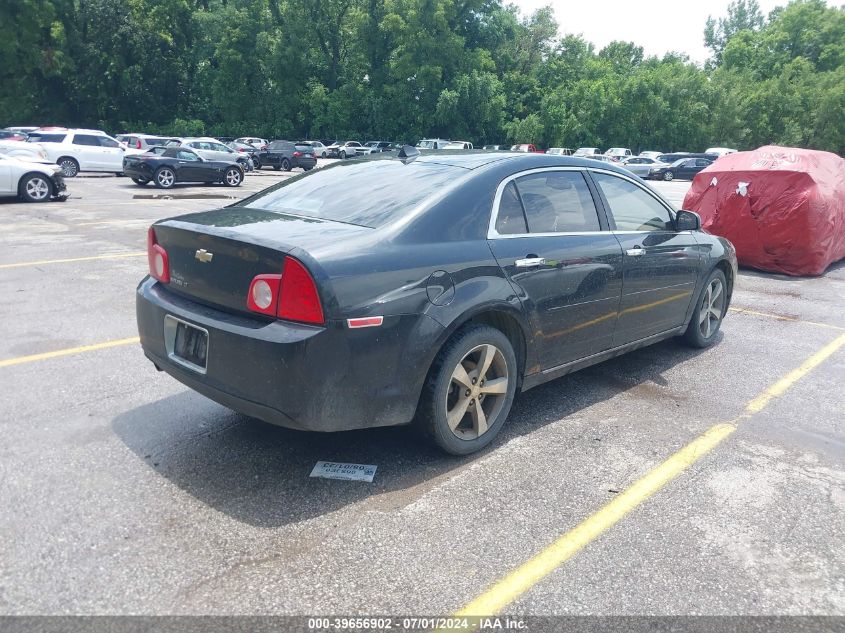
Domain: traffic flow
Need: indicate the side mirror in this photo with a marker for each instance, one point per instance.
(687, 221)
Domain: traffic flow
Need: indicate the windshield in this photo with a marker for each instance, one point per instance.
(368, 194)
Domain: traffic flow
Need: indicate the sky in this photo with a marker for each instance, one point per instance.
(659, 26)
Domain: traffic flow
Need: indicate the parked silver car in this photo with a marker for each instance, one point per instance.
(212, 149)
(640, 165)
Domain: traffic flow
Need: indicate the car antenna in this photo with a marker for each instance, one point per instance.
(408, 154)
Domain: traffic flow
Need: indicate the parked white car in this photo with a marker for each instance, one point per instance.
(458, 145)
(83, 150)
(720, 151)
(30, 181)
(433, 143)
(587, 151)
(641, 165)
(650, 154)
(24, 151)
(257, 143)
(135, 140)
(618, 154)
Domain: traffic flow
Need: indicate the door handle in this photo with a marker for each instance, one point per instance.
(530, 262)
(637, 251)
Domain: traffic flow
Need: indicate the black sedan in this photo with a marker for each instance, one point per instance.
(170, 165)
(683, 168)
(424, 290)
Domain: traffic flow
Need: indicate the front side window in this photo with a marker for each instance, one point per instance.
(633, 208)
(186, 155)
(558, 202)
(105, 141)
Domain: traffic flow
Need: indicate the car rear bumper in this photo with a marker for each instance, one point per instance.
(297, 376)
(305, 163)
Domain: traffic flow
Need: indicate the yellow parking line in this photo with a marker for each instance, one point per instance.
(67, 352)
(527, 575)
(73, 259)
(781, 317)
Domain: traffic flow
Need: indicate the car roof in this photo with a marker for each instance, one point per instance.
(473, 159)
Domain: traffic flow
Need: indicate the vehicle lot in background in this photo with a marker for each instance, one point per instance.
(28, 151)
(136, 495)
(142, 141)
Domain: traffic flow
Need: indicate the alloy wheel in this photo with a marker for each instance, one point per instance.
(69, 168)
(712, 306)
(37, 188)
(166, 178)
(668, 176)
(477, 391)
(233, 177)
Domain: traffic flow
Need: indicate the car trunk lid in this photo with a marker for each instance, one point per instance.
(214, 256)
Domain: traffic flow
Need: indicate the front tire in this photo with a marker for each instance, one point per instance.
(36, 188)
(668, 176)
(164, 178)
(285, 164)
(233, 177)
(140, 181)
(710, 309)
(343, 154)
(469, 390)
(70, 166)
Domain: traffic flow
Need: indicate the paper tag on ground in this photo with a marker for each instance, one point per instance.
(349, 472)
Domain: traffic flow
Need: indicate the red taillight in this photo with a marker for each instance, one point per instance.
(299, 300)
(292, 295)
(264, 294)
(241, 149)
(157, 258)
(297, 154)
(138, 144)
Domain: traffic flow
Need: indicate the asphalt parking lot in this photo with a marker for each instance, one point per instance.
(125, 492)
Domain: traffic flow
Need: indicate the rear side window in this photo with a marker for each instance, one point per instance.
(558, 202)
(367, 194)
(632, 208)
(511, 219)
(105, 141)
(186, 155)
(86, 139)
(48, 138)
(280, 146)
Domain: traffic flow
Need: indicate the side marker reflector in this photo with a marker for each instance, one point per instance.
(364, 322)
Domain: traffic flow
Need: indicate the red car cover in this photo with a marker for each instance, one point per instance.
(782, 207)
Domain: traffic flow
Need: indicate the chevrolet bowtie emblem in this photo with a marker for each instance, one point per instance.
(204, 256)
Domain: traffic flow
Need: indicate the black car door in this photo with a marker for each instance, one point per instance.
(189, 167)
(661, 264)
(561, 260)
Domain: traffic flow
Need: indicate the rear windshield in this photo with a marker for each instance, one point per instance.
(367, 194)
(155, 141)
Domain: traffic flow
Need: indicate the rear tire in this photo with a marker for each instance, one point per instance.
(464, 404)
(343, 154)
(710, 308)
(70, 166)
(668, 176)
(36, 188)
(164, 178)
(285, 164)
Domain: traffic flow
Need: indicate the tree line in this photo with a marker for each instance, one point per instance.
(407, 69)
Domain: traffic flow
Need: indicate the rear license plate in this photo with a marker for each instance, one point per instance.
(186, 344)
(191, 344)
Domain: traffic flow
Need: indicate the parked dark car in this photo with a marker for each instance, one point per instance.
(424, 289)
(683, 169)
(672, 157)
(285, 155)
(170, 165)
(249, 150)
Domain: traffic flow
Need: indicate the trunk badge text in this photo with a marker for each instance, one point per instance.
(204, 256)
